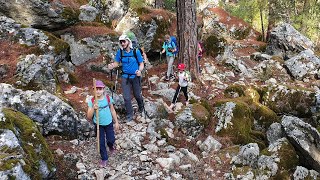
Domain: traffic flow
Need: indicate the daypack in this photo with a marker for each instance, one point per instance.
(174, 39)
(202, 47)
(187, 73)
(133, 38)
(134, 54)
(108, 99)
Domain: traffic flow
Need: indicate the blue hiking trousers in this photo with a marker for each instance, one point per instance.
(127, 85)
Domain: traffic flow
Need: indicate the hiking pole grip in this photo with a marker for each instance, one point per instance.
(97, 114)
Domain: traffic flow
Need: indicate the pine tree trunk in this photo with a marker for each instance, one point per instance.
(187, 34)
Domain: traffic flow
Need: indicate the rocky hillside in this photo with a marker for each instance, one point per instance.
(253, 114)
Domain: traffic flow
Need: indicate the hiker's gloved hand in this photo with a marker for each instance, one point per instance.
(138, 72)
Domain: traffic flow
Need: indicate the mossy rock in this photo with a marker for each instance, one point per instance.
(201, 114)
(240, 171)
(252, 94)
(289, 100)
(287, 150)
(142, 10)
(264, 115)
(59, 45)
(240, 124)
(162, 30)
(240, 34)
(234, 91)
(241, 121)
(214, 45)
(282, 175)
(32, 143)
(164, 133)
(71, 15)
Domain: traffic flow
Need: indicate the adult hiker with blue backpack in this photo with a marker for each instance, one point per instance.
(170, 48)
(132, 65)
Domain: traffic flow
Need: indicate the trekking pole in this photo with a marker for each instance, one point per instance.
(115, 85)
(111, 79)
(160, 58)
(97, 115)
(149, 85)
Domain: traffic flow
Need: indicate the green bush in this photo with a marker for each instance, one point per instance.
(134, 4)
(170, 5)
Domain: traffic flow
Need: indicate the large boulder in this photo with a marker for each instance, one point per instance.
(285, 41)
(36, 13)
(24, 152)
(149, 26)
(90, 48)
(53, 115)
(305, 139)
(192, 120)
(35, 72)
(111, 11)
(304, 65)
(217, 22)
(296, 101)
(234, 120)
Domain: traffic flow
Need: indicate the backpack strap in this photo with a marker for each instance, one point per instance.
(107, 97)
(134, 55)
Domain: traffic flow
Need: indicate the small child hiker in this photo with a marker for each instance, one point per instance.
(184, 78)
(107, 116)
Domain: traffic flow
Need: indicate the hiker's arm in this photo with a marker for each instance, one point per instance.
(115, 64)
(90, 113)
(117, 59)
(114, 117)
(163, 48)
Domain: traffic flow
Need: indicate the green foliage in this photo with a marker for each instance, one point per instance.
(71, 15)
(135, 4)
(142, 11)
(58, 44)
(170, 5)
(249, 11)
(303, 15)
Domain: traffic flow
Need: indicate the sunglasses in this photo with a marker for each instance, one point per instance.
(122, 41)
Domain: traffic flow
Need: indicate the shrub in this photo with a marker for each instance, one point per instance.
(134, 4)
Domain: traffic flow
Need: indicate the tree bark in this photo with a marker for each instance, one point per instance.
(187, 35)
(262, 26)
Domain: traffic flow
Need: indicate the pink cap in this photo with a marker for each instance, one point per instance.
(100, 84)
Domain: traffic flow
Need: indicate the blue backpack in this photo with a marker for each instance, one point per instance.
(174, 39)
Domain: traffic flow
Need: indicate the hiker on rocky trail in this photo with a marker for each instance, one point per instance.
(132, 65)
(183, 77)
(169, 47)
(107, 117)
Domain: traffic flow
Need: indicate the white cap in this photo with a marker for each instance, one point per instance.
(125, 37)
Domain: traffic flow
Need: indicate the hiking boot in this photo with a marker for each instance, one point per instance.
(103, 163)
(112, 150)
